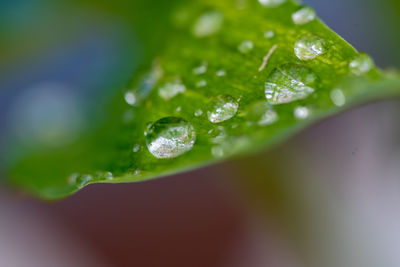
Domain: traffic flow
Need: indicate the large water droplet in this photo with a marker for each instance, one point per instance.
(222, 108)
(246, 46)
(338, 98)
(309, 47)
(289, 83)
(208, 24)
(271, 3)
(303, 16)
(170, 137)
(262, 113)
(362, 64)
(171, 89)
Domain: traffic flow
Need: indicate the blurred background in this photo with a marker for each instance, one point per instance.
(329, 197)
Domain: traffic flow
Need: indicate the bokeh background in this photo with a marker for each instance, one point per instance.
(328, 197)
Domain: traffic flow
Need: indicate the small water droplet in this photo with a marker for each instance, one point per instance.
(289, 83)
(136, 148)
(130, 98)
(271, 3)
(362, 64)
(338, 98)
(303, 16)
(170, 137)
(137, 172)
(208, 24)
(222, 108)
(301, 113)
(171, 89)
(269, 34)
(309, 47)
(262, 113)
(221, 73)
(179, 109)
(198, 113)
(201, 83)
(246, 46)
(79, 180)
(235, 126)
(200, 69)
(101, 176)
(217, 135)
(217, 151)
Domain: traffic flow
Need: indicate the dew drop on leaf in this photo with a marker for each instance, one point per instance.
(338, 98)
(79, 180)
(198, 113)
(301, 113)
(170, 137)
(269, 34)
(271, 3)
(309, 47)
(289, 83)
(208, 24)
(246, 46)
(362, 64)
(136, 148)
(221, 73)
(130, 98)
(303, 16)
(171, 89)
(262, 113)
(217, 135)
(222, 108)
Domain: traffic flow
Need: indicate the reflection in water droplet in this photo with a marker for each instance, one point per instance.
(222, 108)
(338, 98)
(362, 64)
(262, 113)
(171, 89)
(246, 46)
(208, 24)
(301, 113)
(79, 180)
(303, 16)
(269, 34)
(309, 47)
(170, 137)
(221, 73)
(289, 83)
(198, 113)
(200, 69)
(217, 135)
(201, 83)
(136, 148)
(271, 3)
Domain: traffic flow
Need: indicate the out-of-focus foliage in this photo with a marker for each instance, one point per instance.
(218, 79)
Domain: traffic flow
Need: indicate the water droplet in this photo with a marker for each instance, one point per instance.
(301, 113)
(208, 24)
(222, 108)
(217, 151)
(303, 16)
(101, 176)
(136, 148)
(246, 46)
(137, 172)
(289, 83)
(269, 34)
(200, 69)
(217, 135)
(179, 109)
(79, 180)
(170, 137)
(309, 47)
(262, 113)
(271, 3)
(130, 98)
(201, 83)
(338, 98)
(198, 113)
(171, 89)
(221, 73)
(362, 64)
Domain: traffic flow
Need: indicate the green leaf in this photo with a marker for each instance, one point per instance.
(220, 79)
